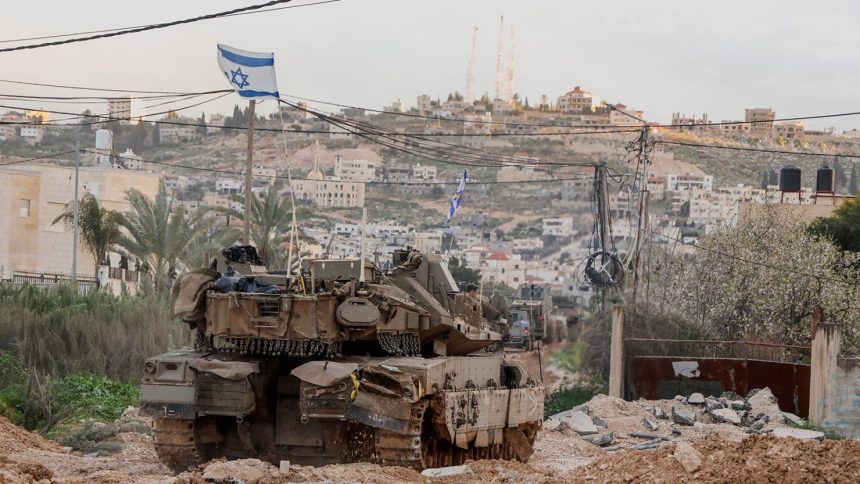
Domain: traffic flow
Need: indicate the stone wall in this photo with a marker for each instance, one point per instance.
(834, 401)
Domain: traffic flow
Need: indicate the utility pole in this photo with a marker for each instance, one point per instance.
(603, 210)
(246, 235)
(75, 217)
(642, 223)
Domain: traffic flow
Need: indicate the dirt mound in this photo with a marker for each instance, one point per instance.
(14, 472)
(759, 458)
(15, 439)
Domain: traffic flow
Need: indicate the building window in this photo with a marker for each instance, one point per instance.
(24, 208)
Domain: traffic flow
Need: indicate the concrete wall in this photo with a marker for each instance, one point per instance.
(33, 242)
(834, 397)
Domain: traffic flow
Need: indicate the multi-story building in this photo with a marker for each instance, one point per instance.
(32, 133)
(575, 101)
(424, 104)
(761, 121)
(394, 107)
(687, 181)
(657, 187)
(215, 123)
(177, 133)
(33, 196)
(228, 186)
(624, 116)
(119, 108)
(332, 192)
(557, 227)
(423, 172)
(733, 129)
(682, 122)
(357, 170)
(398, 172)
(789, 131)
(130, 160)
(262, 172)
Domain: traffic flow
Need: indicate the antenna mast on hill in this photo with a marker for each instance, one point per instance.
(509, 79)
(470, 74)
(499, 60)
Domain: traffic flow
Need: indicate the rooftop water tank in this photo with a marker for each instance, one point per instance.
(789, 179)
(824, 180)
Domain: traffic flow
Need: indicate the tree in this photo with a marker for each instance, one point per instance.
(268, 217)
(763, 280)
(206, 245)
(98, 227)
(843, 227)
(461, 273)
(201, 125)
(159, 234)
(87, 121)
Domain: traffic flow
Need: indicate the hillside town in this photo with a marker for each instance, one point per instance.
(329, 259)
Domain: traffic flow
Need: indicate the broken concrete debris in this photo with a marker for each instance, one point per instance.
(726, 415)
(580, 423)
(801, 434)
(600, 439)
(659, 413)
(687, 456)
(792, 419)
(696, 399)
(650, 425)
(682, 415)
(447, 471)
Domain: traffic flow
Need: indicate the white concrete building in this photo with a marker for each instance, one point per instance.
(687, 181)
(119, 108)
(357, 170)
(226, 186)
(575, 101)
(557, 227)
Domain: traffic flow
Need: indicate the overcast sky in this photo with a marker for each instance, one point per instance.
(797, 57)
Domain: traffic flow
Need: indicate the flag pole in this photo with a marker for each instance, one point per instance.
(246, 235)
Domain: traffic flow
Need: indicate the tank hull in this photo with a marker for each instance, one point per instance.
(409, 411)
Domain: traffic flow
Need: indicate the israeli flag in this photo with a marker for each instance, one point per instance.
(457, 199)
(252, 74)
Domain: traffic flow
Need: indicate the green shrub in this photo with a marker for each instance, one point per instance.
(568, 396)
(93, 437)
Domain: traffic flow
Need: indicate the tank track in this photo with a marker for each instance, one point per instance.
(420, 450)
(175, 443)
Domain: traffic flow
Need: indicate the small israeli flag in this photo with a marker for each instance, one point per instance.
(457, 199)
(251, 74)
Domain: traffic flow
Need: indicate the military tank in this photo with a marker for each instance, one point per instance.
(340, 363)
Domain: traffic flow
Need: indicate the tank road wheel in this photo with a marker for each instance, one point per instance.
(175, 443)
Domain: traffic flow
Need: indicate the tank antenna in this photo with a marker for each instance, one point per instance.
(361, 249)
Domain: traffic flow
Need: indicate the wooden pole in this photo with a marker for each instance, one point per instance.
(644, 233)
(616, 353)
(246, 234)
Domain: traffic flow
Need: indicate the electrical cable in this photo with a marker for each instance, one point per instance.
(145, 27)
(758, 150)
(724, 255)
(52, 155)
(55, 36)
(281, 177)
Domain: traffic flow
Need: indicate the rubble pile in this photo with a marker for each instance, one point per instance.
(615, 424)
(759, 458)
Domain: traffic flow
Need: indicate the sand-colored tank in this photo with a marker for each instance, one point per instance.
(341, 364)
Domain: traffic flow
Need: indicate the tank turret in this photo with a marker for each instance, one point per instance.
(337, 357)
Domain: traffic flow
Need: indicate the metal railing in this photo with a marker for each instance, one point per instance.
(741, 350)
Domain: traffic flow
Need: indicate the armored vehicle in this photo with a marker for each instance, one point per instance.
(340, 363)
(531, 318)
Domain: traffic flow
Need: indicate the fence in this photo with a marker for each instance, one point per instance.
(741, 350)
(47, 279)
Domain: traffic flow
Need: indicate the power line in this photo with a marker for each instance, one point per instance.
(145, 27)
(759, 150)
(52, 155)
(55, 36)
(281, 177)
(725, 255)
(101, 89)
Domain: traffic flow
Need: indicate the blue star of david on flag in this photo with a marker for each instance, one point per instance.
(251, 74)
(457, 199)
(242, 78)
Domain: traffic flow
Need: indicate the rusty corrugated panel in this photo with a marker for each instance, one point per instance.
(655, 377)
